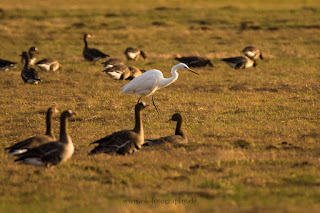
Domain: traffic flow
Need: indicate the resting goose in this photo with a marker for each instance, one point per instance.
(51, 153)
(134, 72)
(118, 72)
(5, 65)
(240, 62)
(125, 141)
(133, 53)
(194, 61)
(32, 53)
(48, 64)
(111, 62)
(252, 52)
(178, 138)
(29, 75)
(34, 141)
(91, 54)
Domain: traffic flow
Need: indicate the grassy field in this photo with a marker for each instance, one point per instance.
(253, 134)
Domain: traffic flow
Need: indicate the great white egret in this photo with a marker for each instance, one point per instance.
(150, 81)
(240, 62)
(252, 52)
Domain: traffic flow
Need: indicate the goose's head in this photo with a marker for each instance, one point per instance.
(85, 36)
(24, 55)
(53, 110)
(68, 113)
(176, 117)
(33, 49)
(140, 106)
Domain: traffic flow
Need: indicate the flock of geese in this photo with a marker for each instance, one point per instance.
(46, 150)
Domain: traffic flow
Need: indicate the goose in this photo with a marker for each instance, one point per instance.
(91, 54)
(125, 141)
(111, 62)
(118, 72)
(178, 138)
(133, 53)
(29, 75)
(48, 64)
(52, 153)
(240, 62)
(32, 53)
(252, 52)
(34, 141)
(134, 72)
(5, 65)
(194, 61)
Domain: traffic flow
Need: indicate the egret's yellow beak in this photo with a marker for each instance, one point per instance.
(193, 71)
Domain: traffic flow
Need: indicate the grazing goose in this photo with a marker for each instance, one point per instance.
(194, 61)
(29, 75)
(149, 82)
(51, 153)
(118, 72)
(178, 138)
(5, 65)
(32, 53)
(91, 54)
(134, 72)
(252, 52)
(240, 62)
(133, 53)
(111, 62)
(125, 141)
(48, 64)
(34, 141)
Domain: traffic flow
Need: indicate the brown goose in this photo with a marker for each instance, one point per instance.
(29, 75)
(194, 61)
(133, 53)
(118, 72)
(125, 141)
(178, 138)
(111, 62)
(5, 65)
(91, 54)
(32, 142)
(32, 53)
(134, 72)
(252, 52)
(51, 153)
(48, 64)
(240, 62)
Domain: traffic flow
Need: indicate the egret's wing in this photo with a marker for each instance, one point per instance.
(144, 84)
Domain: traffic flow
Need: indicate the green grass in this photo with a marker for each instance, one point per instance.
(253, 134)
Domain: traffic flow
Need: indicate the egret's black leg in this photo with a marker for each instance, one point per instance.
(155, 105)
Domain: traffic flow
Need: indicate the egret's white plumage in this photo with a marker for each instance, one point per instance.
(150, 81)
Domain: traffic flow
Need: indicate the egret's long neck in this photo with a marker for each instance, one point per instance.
(167, 81)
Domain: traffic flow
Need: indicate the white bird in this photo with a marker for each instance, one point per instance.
(149, 82)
